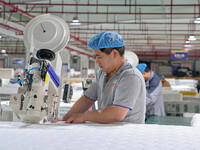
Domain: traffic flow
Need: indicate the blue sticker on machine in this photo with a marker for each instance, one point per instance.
(53, 76)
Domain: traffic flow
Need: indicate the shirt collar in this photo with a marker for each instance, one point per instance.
(126, 65)
(151, 76)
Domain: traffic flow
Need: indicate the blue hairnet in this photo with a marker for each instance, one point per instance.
(160, 76)
(107, 39)
(141, 67)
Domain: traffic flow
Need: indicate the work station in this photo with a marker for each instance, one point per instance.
(102, 74)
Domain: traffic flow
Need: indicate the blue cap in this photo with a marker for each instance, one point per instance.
(160, 76)
(107, 39)
(141, 67)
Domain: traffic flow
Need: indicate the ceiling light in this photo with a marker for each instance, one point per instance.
(187, 42)
(3, 51)
(0, 36)
(188, 49)
(187, 45)
(197, 20)
(75, 21)
(192, 38)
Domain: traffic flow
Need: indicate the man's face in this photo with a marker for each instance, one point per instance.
(146, 75)
(162, 79)
(104, 61)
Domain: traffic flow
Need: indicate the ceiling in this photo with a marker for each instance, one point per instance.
(150, 28)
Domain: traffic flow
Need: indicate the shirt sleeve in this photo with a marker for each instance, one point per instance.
(127, 91)
(91, 92)
(153, 84)
(152, 97)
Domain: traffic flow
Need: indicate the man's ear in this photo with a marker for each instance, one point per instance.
(115, 52)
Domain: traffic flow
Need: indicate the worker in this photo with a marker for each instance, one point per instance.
(154, 97)
(164, 82)
(118, 87)
(197, 85)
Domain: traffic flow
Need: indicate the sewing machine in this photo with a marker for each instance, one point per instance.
(38, 97)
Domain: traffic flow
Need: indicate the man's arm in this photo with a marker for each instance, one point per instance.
(108, 115)
(81, 106)
(153, 96)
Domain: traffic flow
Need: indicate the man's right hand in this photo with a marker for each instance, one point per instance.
(57, 119)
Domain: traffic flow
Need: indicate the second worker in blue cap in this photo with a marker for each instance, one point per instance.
(118, 88)
(154, 96)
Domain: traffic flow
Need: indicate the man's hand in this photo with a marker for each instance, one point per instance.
(57, 119)
(77, 118)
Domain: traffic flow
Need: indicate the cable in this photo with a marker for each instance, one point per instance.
(19, 82)
(34, 68)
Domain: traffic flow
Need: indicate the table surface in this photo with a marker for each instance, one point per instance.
(169, 120)
(88, 136)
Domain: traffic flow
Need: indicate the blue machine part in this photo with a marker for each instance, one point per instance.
(53, 76)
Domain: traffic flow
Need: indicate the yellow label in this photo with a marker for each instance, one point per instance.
(47, 78)
(188, 93)
(179, 51)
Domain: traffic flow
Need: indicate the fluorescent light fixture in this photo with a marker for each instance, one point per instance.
(187, 42)
(0, 36)
(75, 21)
(187, 49)
(187, 45)
(192, 38)
(197, 20)
(3, 51)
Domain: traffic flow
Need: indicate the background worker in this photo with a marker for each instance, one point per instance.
(154, 97)
(118, 87)
(165, 83)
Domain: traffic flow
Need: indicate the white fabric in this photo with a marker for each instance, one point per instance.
(6, 73)
(91, 136)
(171, 96)
(195, 120)
(9, 89)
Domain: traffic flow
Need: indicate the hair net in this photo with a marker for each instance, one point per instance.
(107, 39)
(141, 67)
(161, 76)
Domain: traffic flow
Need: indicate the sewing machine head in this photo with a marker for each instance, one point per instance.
(38, 97)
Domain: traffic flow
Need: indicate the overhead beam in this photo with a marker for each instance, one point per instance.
(15, 9)
(10, 32)
(107, 5)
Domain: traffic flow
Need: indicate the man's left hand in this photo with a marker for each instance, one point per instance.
(77, 118)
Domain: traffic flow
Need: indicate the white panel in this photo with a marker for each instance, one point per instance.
(6, 73)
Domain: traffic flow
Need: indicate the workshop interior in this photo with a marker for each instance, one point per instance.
(46, 66)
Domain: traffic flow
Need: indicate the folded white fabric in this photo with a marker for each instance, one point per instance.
(195, 122)
(89, 136)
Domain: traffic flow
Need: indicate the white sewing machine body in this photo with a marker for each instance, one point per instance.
(38, 98)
